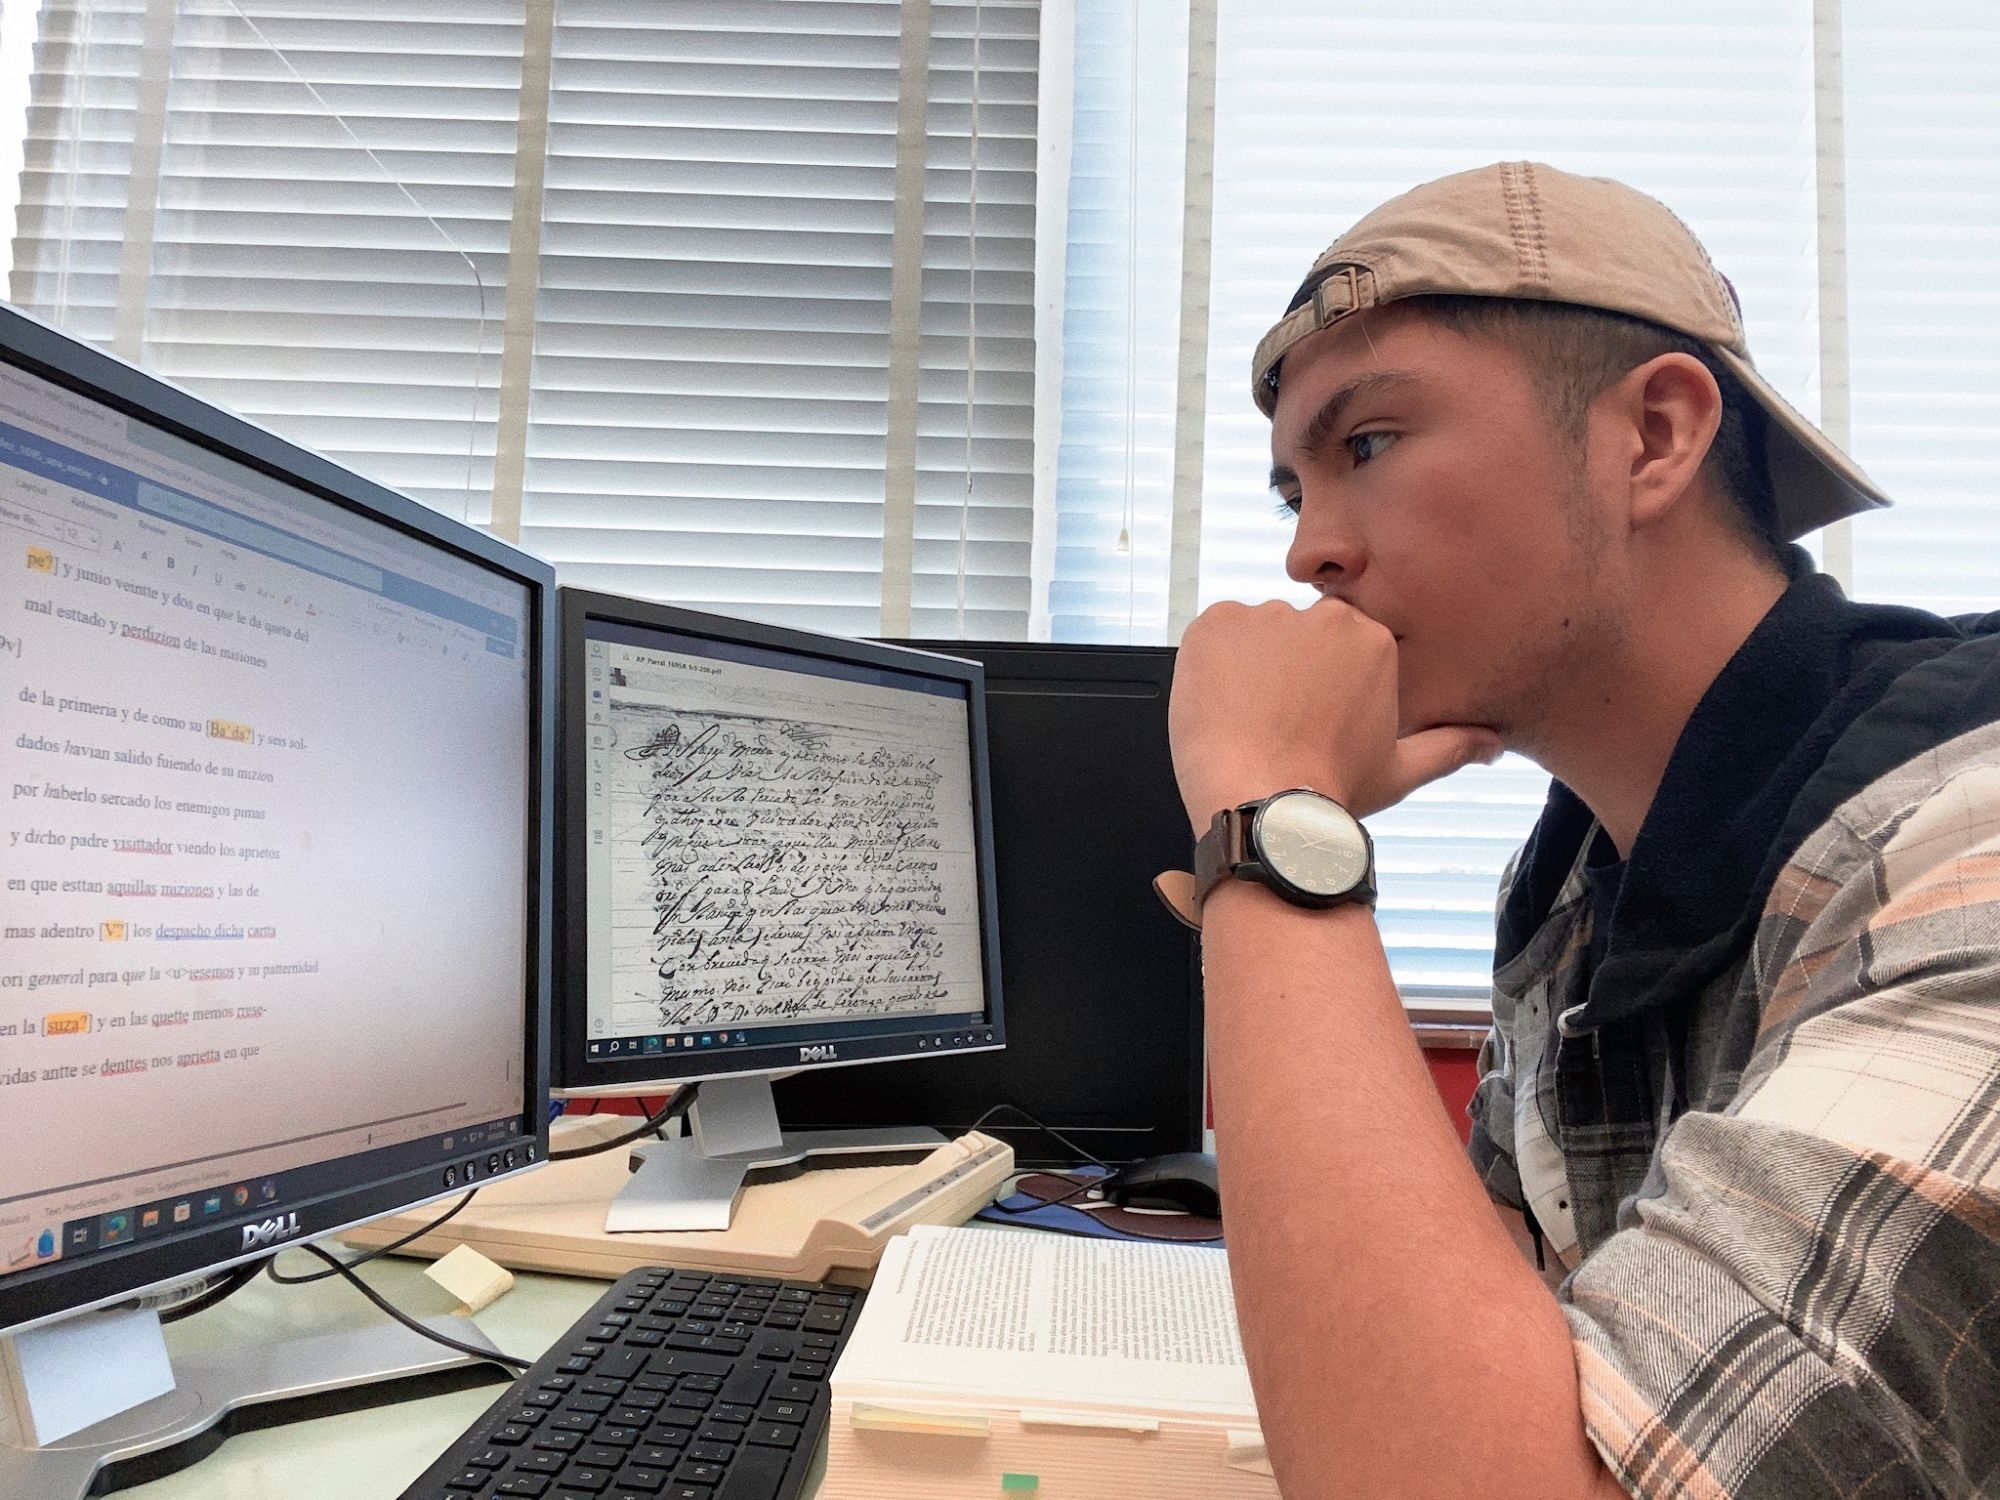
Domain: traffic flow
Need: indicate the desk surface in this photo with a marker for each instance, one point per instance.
(372, 1454)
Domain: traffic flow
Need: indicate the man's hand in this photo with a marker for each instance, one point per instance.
(1268, 697)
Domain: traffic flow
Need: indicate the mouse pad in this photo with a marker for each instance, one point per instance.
(1098, 1221)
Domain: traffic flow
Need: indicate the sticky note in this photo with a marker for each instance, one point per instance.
(471, 1277)
(1019, 1484)
(41, 560)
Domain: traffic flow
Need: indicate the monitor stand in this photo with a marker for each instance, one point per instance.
(47, 1374)
(693, 1182)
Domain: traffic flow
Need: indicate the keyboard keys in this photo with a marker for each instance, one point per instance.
(706, 1344)
(684, 1363)
(676, 1386)
(757, 1474)
(747, 1384)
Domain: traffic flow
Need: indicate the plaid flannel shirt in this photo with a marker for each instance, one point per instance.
(1765, 1133)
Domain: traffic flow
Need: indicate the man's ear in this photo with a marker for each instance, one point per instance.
(1674, 408)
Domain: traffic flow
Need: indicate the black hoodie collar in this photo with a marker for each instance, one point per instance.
(1752, 774)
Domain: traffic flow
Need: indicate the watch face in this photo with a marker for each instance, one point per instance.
(1312, 843)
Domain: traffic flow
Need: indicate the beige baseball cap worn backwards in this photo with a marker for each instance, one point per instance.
(1522, 229)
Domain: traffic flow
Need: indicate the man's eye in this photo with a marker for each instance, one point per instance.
(1368, 446)
(1288, 506)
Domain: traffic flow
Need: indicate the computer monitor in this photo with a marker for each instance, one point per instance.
(777, 855)
(277, 893)
(1104, 1003)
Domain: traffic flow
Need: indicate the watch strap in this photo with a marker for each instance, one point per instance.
(1223, 853)
(1176, 891)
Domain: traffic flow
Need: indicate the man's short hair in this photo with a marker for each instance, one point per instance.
(1576, 353)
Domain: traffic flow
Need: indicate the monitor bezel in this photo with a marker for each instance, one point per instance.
(61, 1288)
(575, 1074)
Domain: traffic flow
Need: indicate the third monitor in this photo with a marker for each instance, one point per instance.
(777, 854)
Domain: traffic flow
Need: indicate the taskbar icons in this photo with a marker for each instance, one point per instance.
(144, 1221)
(624, 1048)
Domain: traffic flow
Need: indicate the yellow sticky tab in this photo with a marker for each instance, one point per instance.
(41, 560)
(471, 1277)
(902, 1419)
(222, 729)
(111, 932)
(66, 1023)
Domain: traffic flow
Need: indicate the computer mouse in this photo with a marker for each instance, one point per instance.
(1180, 1179)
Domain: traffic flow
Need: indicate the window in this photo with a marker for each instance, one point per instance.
(710, 342)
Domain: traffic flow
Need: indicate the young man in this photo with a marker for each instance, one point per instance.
(1744, 1077)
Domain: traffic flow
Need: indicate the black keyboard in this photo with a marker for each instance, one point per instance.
(676, 1385)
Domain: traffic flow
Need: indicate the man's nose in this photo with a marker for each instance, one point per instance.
(1324, 552)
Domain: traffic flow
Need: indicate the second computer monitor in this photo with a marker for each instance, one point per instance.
(777, 855)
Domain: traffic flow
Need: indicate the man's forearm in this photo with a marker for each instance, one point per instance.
(1398, 1344)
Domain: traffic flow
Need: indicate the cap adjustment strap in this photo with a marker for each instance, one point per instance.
(1343, 291)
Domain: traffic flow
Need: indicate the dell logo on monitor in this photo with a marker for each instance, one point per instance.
(256, 1236)
(826, 1053)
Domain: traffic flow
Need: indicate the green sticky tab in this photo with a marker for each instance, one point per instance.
(1019, 1483)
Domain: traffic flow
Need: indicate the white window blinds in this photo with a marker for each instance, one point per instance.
(716, 361)
(747, 271)
(1121, 325)
(70, 218)
(330, 248)
(1922, 164)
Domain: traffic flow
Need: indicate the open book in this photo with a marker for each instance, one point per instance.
(989, 1354)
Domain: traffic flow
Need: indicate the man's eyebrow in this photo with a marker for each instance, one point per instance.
(1323, 422)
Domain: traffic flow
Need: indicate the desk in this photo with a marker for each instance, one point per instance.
(373, 1454)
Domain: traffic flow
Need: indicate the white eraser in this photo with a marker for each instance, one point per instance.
(471, 1277)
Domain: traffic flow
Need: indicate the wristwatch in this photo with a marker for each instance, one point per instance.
(1306, 847)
